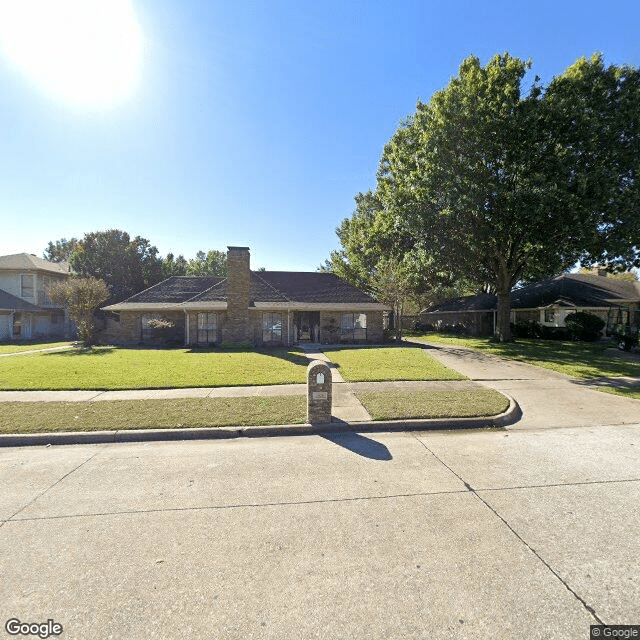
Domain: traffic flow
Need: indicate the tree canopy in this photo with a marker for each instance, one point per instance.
(211, 263)
(126, 265)
(497, 186)
(60, 250)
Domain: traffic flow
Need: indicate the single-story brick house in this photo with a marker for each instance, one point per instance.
(26, 312)
(262, 307)
(547, 302)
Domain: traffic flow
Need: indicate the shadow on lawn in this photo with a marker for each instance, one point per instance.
(294, 357)
(81, 351)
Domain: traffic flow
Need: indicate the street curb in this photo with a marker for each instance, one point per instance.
(508, 417)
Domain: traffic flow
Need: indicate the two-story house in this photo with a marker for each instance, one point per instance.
(26, 312)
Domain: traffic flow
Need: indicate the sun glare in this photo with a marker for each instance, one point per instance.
(83, 51)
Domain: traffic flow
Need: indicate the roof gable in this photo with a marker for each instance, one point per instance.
(175, 289)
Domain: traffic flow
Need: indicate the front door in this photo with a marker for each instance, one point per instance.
(307, 326)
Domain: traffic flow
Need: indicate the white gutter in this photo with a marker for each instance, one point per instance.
(323, 306)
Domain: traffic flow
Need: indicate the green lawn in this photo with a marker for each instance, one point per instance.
(403, 405)
(40, 417)
(630, 392)
(578, 359)
(389, 363)
(119, 368)
(16, 347)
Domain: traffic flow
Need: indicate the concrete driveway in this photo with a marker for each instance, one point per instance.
(548, 399)
(491, 534)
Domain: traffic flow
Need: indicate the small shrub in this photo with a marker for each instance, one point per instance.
(455, 329)
(527, 329)
(584, 326)
(423, 327)
(555, 333)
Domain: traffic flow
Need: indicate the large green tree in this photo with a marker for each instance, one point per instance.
(60, 250)
(126, 265)
(373, 239)
(500, 187)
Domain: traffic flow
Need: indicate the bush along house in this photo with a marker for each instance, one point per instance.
(265, 308)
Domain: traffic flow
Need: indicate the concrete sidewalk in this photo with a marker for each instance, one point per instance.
(547, 398)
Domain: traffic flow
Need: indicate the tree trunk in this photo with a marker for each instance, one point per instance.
(399, 314)
(503, 317)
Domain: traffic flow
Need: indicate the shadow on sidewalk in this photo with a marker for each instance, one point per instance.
(364, 447)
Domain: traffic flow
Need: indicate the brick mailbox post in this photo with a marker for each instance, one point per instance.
(318, 392)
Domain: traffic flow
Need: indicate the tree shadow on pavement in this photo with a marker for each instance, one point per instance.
(365, 447)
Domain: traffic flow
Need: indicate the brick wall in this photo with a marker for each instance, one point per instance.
(237, 326)
(125, 328)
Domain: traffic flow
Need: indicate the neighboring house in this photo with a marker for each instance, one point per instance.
(25, 310)
(264, 308)
(547, 302)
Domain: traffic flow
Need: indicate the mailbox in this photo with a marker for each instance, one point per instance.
(318, 392)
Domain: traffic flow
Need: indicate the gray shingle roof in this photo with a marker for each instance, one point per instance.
(9, 301)
(314, 286)
(571, 289)
(266, 286)
(29, 262)
(175, 289)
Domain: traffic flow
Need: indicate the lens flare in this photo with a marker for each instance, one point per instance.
(83, 51)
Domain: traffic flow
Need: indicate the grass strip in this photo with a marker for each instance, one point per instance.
(400, 405)
(109, 415)
(372, 364)
(139, 368)
(578, 359)
(629, 392)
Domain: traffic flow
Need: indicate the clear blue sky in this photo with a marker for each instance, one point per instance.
(242, 123)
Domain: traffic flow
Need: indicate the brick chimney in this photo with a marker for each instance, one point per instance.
(238, 287)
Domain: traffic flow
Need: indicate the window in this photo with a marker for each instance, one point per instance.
(271, 327)
(147, 331)
(46, 283)
(353, 326)
(27, 287)
(549, 315)
(207, 328)
(57, 318)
